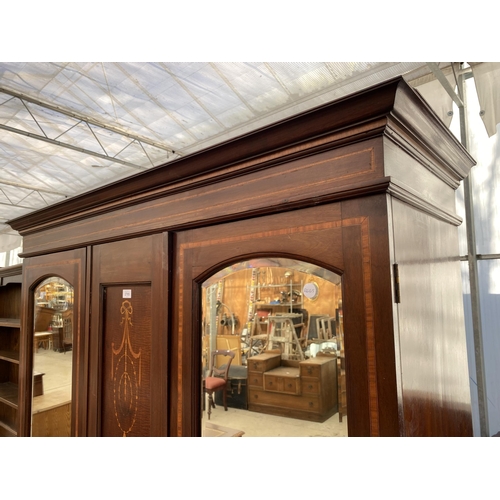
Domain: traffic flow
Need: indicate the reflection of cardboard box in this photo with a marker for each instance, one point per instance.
(38, 384)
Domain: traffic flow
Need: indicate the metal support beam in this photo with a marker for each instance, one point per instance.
(483, 256)
(446, 84)
(70, 146)
(87, 119)
(472, 259)
(30, 187)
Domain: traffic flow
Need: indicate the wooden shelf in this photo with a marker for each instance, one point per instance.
(264, 305)
(10, 322)
(9, 394)
(10, 333)
(8, 428)
(10, 356)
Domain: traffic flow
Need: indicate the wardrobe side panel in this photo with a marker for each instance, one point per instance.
(433, 355)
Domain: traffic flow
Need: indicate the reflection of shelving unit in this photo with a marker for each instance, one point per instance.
(10, 330)
(291, 289)
(57, 296)
(290, 298)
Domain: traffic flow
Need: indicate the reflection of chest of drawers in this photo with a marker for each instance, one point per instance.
(306, 390)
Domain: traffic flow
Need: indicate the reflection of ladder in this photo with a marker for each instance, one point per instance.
(282, 334)
(258, 339)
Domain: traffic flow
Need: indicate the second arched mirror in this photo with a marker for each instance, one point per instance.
(53, 360)
(272, 351)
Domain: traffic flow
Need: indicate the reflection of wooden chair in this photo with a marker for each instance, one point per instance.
(66, 336)
(217, 378)
(327, 328)
(315, 329)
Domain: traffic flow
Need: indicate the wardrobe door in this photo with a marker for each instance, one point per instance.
(128, 351)
(313, 235)
(53, 364)
(348, 238)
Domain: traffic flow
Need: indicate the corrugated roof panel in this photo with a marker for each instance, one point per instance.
(236, 116)
(248, 79)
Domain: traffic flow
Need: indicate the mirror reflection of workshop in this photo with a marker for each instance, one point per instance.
(53, 338)
(272, 343)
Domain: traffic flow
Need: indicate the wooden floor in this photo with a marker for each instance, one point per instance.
(56, 367)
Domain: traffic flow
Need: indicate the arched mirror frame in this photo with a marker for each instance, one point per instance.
(287, 274)
(52, 386)
(220, 267)
(71, 267)
(348, 239)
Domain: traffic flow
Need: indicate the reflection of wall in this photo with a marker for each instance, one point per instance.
(236, 293)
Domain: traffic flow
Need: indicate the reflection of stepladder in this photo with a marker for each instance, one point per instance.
(258, 339)
(282, 334)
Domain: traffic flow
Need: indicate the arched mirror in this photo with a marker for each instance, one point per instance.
(52, 363)
(272, 351)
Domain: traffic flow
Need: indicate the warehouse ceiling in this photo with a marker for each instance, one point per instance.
(67, 128)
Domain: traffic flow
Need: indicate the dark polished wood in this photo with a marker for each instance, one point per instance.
(10, 337)
(356, 186)
(431, 333)
(183, 192)
(71, 266)
(126, 361)
(142, 264)
(321, 236)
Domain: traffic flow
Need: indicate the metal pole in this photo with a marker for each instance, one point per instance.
(473, 277)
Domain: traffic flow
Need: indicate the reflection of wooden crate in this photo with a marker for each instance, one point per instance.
(38, 384)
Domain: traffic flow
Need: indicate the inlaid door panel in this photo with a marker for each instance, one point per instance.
(128, 355)
(126, 408)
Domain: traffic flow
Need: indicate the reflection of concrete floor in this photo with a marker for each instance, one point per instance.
(261, 425)
(57, 379)
(57, 389)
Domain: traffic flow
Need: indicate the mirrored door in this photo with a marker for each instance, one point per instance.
(52, 358)
(272, 350)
